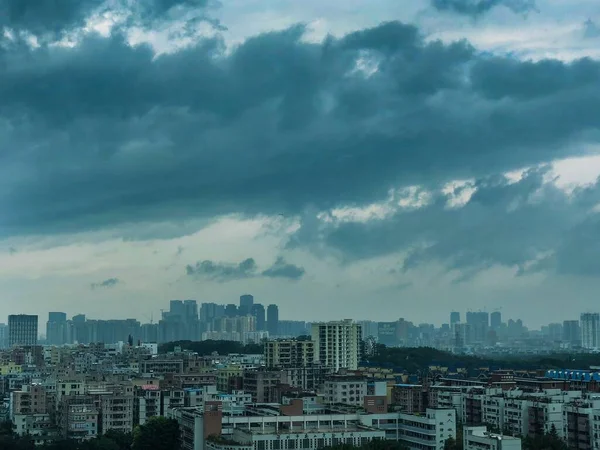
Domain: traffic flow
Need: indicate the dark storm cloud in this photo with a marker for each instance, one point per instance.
(104, 134)
(281, 269)
(529, 226)
(109, 283)
(478, 7)
(51, 17)
(222, 272)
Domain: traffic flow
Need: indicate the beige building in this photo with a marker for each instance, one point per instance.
(31, 399)
(337, 344)
(289, 353)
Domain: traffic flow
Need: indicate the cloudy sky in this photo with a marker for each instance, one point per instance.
(343, 158)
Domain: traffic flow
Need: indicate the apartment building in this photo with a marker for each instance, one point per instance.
(409, 398)
(478, 438)
(31, 399)
(337, 344)
(344, 389)
(581, 424)
(261, 384)
(289, 353)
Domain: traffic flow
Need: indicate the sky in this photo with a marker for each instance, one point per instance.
(342, 159)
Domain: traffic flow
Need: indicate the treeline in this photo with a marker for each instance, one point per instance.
(209, 347)
(158, 433)
(418, 359)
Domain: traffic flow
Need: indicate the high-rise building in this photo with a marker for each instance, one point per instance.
(231, 310)
(590, 330)
(190, 310)
(22, 329)
(258, 311)
(337, 344)
(3, 335)
(571, 332)
(246, 303)
(496, 320)
(273, 320)
(289, 353)
(454, 317)
(56, 328)
(479, 324)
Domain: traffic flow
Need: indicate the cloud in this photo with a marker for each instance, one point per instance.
(222, 272)
(281, 269)
(529, 225)
(478, 7)
(54, 18)
(117, 135)
(108, 283)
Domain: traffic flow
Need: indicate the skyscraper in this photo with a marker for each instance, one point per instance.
(590, 330)
(258, 311)
(231, 310)
(273, 320)
(246, 303)
(337, 344)
(190, 308)
(479, 323)
(3, 335)
(454, 317)
(56, 328)
(495, 320)
(571, 332)
(22, 329)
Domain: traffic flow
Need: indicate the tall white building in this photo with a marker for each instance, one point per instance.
(337, 344)
(590, 330)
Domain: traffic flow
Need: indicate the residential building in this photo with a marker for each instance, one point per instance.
(289, 353)
(337, 344)
(273, 320)
(261, 384)
(590, 330)
(344, 389)
(22, 330)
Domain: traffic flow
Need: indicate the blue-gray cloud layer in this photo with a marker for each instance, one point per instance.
(108, 283)
(282, 269)
(54, 18)
(105, 133)
(528, 226)
(222, 272)
(478, 7)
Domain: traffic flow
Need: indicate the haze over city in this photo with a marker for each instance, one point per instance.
(341, 159)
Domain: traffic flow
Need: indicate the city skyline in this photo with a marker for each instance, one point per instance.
(381, 158)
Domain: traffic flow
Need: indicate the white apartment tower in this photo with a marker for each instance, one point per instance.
(590, 330)
(337, 344)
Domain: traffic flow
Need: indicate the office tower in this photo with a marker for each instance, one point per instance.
(590, 330)
(572, 332)
(231, 310)
(3, 335)
(246, 302)
(258, 311)
(479, 325)
(454, 317)
(337, 344)
(22, 329)
(496, 320)
(273, 320)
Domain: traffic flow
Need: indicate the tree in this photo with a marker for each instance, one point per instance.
(123, 440)
(159, 433)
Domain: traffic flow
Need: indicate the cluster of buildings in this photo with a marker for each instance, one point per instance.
(486, 333)
(184, 320)
(481, 332)
(308, 389)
